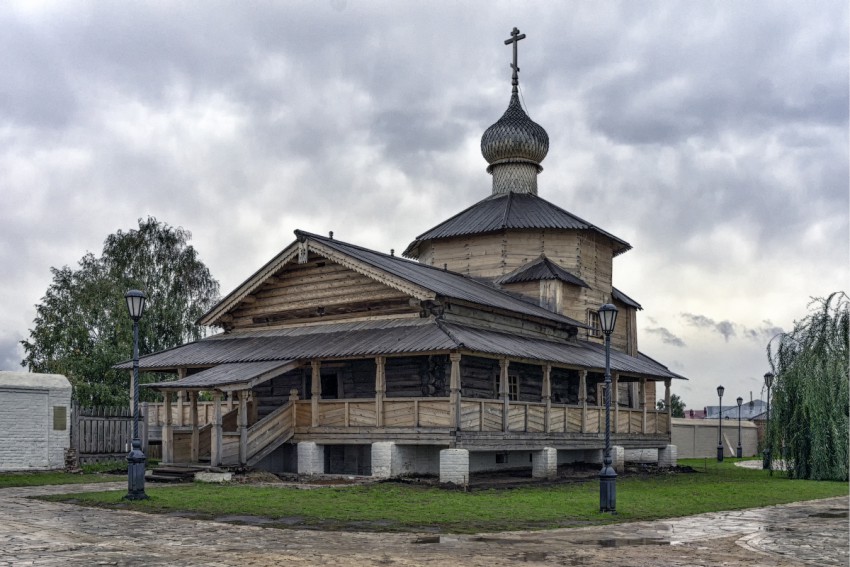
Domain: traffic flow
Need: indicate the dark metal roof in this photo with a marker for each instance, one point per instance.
(541, 269)
(395, 336)
(623, 298)
(574, 353)
(442, 282)
(509, 211)
(225, 374)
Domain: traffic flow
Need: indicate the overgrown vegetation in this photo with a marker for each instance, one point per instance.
(411, 507)
(82, 328)
(811, 401)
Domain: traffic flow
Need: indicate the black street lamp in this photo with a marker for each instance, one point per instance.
(740, 452)
(720, 391)
(136, 459)
(607, 477)
(767, 461)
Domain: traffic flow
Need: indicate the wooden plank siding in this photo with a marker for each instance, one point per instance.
(317, 289)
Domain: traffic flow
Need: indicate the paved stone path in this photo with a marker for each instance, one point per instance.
(33, 532)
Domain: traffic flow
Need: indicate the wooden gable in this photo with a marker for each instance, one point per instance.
(313, 290)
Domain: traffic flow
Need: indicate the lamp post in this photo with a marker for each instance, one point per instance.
(607, 476)
(136, 459)
(740, 452)
(720, 390)
(767, 461)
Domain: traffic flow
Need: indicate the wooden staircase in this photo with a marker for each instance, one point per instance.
(270, 433)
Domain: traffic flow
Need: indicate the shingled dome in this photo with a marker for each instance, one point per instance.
(514, 138)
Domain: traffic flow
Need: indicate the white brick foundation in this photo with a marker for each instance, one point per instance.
(454, 466)
(544, 464)
(382, 459)
(667, 457)
(311, 458)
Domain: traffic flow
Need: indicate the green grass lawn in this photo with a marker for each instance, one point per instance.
(404, 507)
(9, 480)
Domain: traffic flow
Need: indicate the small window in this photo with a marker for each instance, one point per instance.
(60, 418)
(513, 388)
(501, 458)
(595, 329)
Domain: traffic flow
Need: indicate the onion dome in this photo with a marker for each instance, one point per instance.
(514, 138)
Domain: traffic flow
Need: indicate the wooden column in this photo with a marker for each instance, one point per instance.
(230, 401)
(181, 398)
(380, 390)
(582, 398)
(615, 400)
(454, 390)
(546, 396)
(167, 432)
(242, 426)
(667, 382)
(215, 441)
(504, 364)
(642, 400)
(316, 390)
(193, 399)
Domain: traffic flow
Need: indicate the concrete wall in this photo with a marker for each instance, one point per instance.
(29, 437)
(697, 438)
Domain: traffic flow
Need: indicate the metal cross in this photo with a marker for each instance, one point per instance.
(515, 37)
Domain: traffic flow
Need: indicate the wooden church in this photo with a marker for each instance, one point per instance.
(478, 350)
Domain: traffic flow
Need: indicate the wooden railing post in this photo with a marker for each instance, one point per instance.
(669, 419)
(215, 441)
(168, 432)
(380, 390)
(454, 391)
(582, 398)
(293, 397)
(642, 398)
(504, 363)
(316, 387)
(193, 409)
(242, 421)
(547, 397)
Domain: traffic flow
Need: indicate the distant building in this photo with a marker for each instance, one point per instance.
(748, 411)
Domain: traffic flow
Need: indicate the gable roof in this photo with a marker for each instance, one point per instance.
(541, 269)
(509, 211)
(419, 280)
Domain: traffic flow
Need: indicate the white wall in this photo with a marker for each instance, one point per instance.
(27, 437)
(697, 438)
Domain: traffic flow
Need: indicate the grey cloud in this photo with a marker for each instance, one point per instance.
(10, 354)
(729, 329)
(666, 336)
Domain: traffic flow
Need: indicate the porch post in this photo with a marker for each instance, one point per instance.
(230, 401)
(547, 397)
(642, 399)
(582, 398)
(181, 398)
(242, 421)
(254, 413)
(215, 441)
(615, 390)
(316, 390)
(193, 399)
(167, 432)
(504, 363)
(667, 382)
(454, 391)
(380, 390)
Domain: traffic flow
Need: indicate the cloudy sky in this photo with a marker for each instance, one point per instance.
(712, 136)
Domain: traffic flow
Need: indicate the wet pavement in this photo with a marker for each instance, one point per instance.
(33, 532)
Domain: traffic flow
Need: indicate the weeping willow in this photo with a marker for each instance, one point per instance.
(810, 409)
